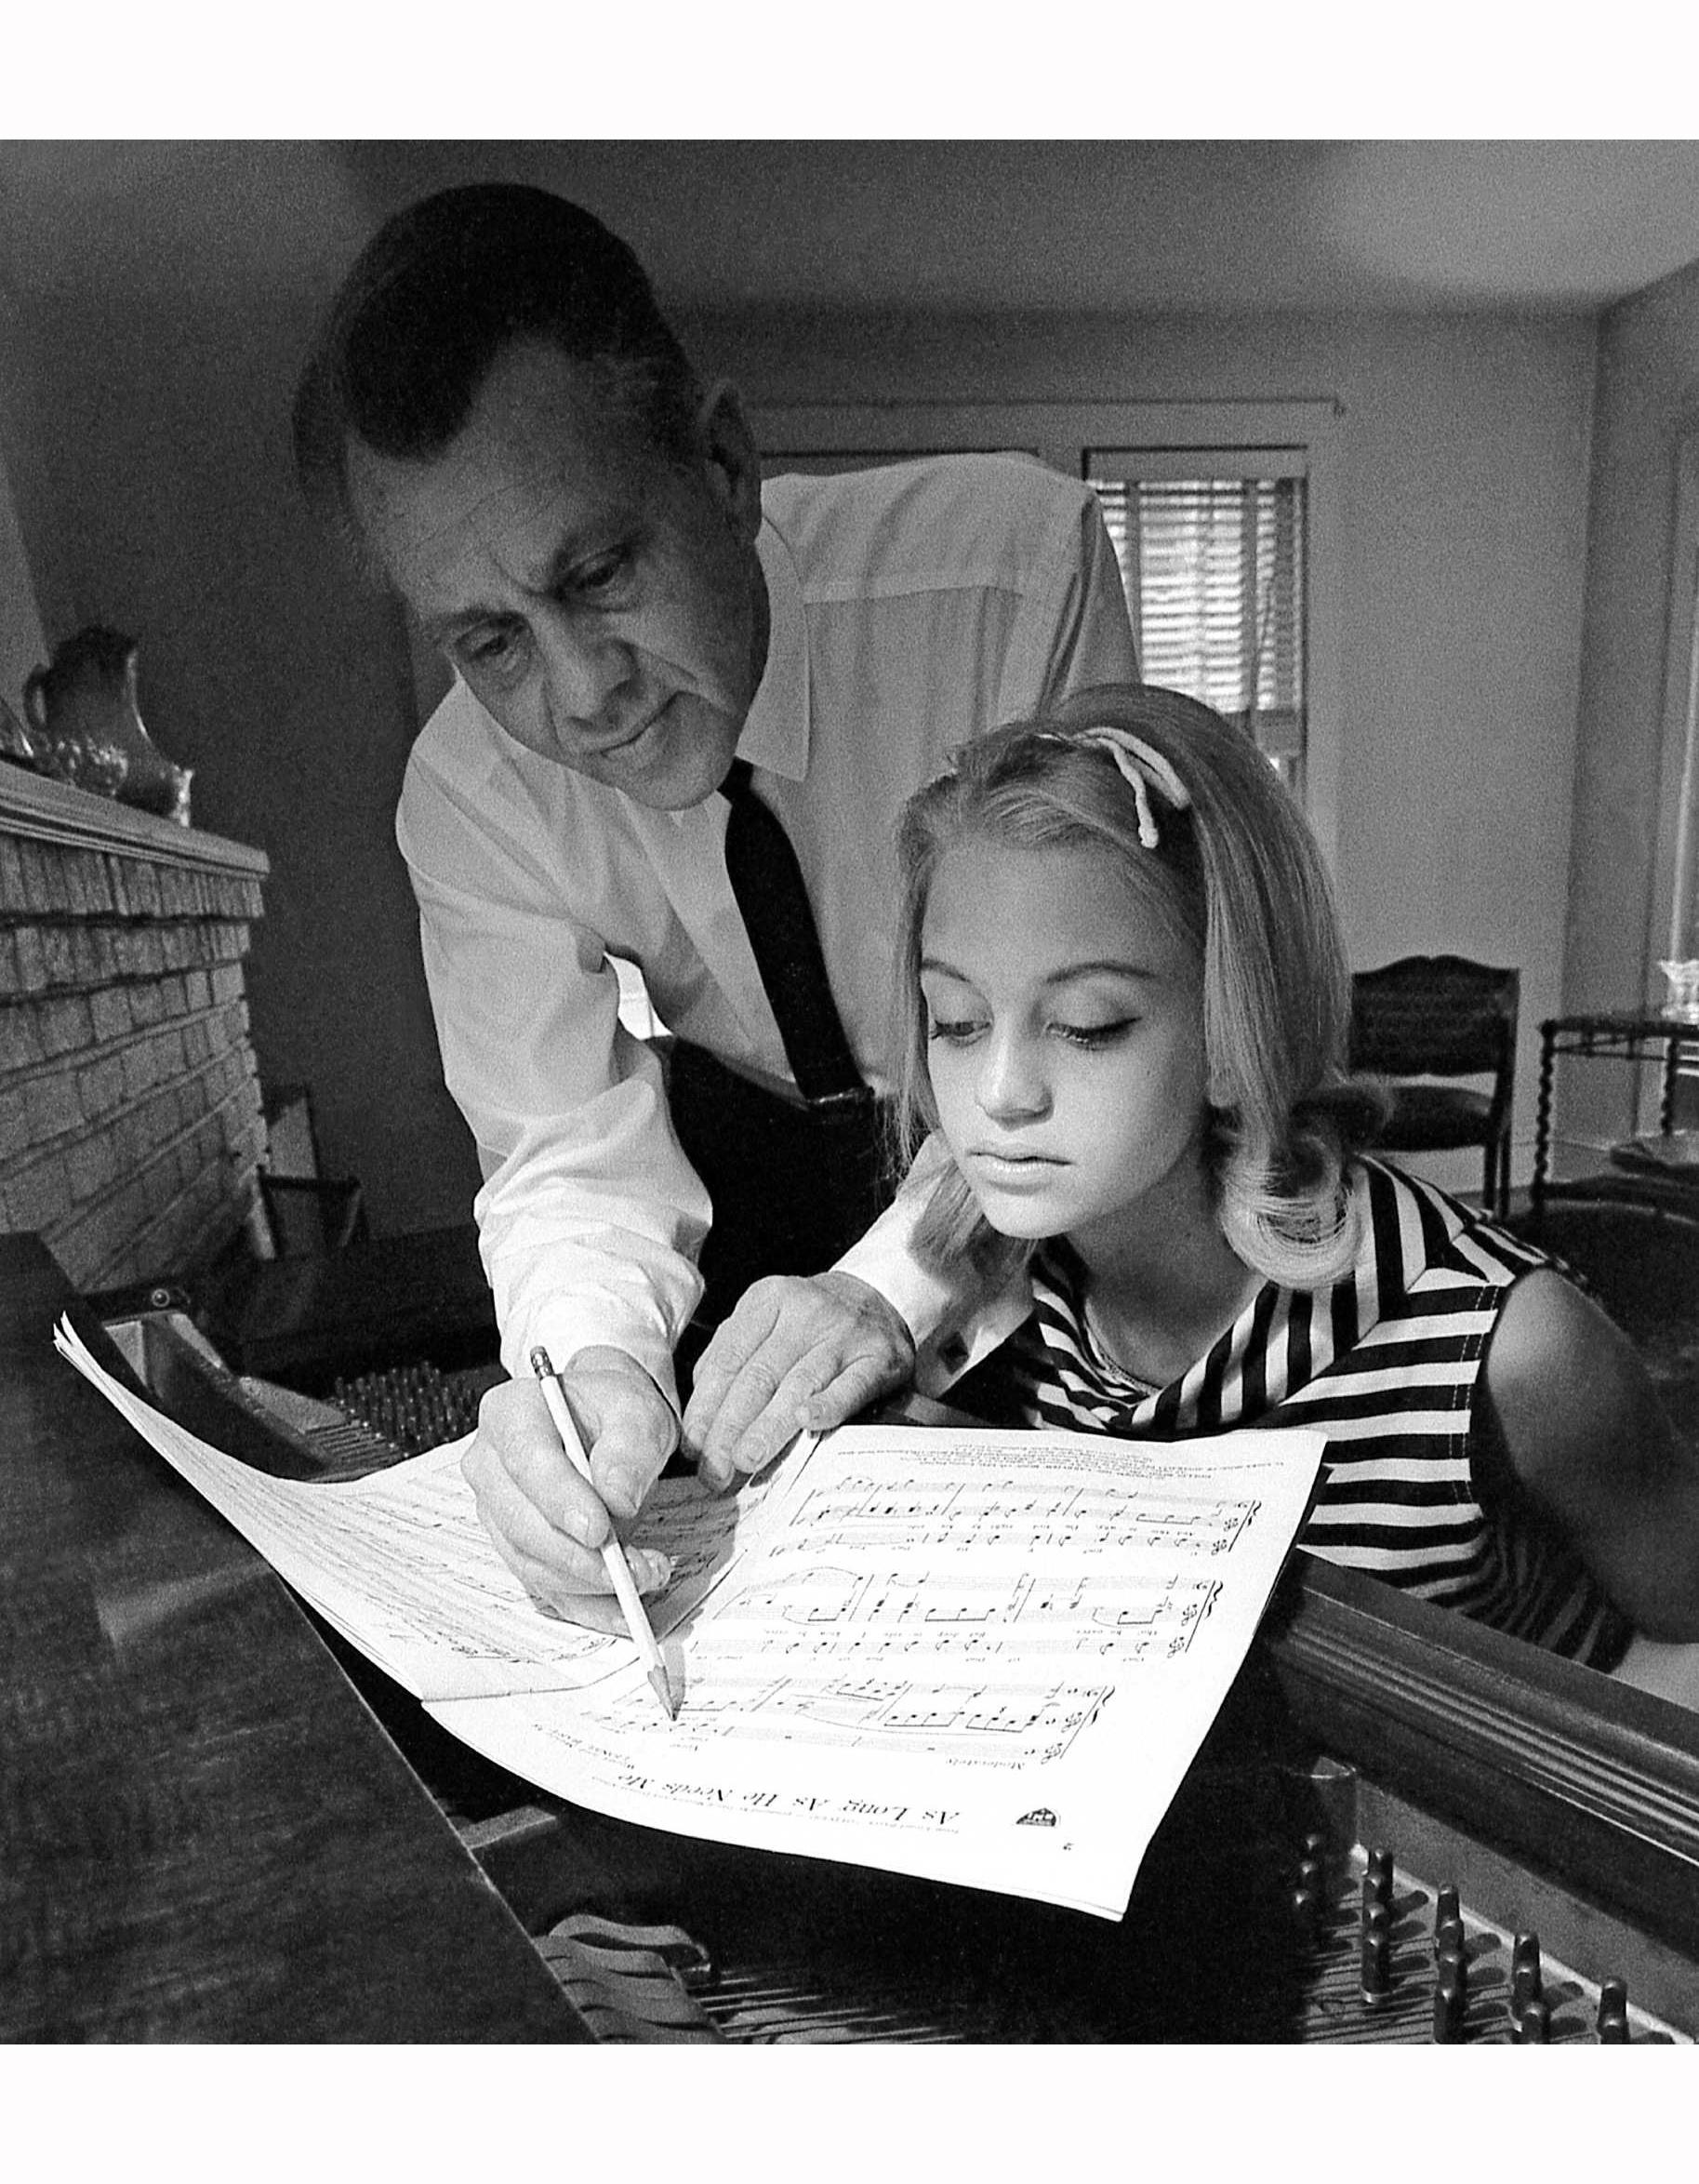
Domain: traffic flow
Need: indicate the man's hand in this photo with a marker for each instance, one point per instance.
(548, 1525)
(795, 1352)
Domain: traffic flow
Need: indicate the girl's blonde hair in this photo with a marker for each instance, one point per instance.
(1236, 875)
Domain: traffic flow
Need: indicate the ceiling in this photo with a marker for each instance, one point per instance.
(1077, 225)
(950, 224)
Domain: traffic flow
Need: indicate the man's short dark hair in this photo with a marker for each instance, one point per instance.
(442, 291)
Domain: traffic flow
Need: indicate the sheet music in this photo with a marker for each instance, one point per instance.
(980, 1657)
(399, 1563)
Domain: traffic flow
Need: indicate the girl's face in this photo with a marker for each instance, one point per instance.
(1065, 1043)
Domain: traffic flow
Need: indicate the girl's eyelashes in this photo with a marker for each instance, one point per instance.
(1095, 1035)
(956, 1030)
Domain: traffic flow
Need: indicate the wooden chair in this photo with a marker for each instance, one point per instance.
(1425, 1022)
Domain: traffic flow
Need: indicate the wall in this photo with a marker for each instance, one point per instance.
(159, 482)
(1648, 397)
(158, 322)
(1464, 449)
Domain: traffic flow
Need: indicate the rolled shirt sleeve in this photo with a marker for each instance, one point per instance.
(589, 1217)
(956, 1317)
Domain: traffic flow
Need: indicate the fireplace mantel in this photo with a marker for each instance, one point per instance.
(34, 807)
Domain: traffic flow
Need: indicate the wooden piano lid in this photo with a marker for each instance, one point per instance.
(203, 1833)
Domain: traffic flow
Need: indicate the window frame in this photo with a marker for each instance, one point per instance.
(1133, 471)
(1674, 890)
(1067, 435)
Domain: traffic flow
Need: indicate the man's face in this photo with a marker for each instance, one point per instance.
(606, 605)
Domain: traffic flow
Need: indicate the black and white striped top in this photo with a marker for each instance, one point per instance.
(1385, 1363)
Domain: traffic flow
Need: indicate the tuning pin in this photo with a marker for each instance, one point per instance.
(1448, 1922)
(1524, 1971)
(1614, 2012)
(1375, 1967)
(1451, 2001)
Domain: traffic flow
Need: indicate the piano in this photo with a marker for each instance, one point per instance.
(217, 1823)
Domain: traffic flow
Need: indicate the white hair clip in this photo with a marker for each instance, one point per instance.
(1143, 769)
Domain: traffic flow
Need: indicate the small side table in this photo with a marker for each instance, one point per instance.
(1620, 1035)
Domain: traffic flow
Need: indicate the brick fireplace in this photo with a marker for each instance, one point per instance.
(130, 1116)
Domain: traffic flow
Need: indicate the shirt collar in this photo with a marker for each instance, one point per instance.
(776, 731)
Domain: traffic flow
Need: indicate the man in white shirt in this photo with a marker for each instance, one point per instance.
(499, 409)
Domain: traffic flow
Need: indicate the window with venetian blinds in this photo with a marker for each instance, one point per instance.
(1215, 572)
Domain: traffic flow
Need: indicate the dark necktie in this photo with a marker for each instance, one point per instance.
(767, 883)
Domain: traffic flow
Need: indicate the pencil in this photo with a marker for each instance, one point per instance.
(613, 1555)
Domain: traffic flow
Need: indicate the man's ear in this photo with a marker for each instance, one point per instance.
(731, 458)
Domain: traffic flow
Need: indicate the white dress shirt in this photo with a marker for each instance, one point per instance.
(911, 608)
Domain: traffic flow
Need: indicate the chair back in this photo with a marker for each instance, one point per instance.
(1435, 1015)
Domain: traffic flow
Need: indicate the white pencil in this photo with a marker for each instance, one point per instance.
(613, 1555)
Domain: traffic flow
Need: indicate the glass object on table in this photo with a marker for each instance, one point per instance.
(1683, 1002)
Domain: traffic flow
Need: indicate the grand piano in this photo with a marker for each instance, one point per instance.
(218, 1824)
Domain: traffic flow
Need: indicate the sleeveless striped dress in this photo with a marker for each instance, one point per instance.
(1385, 1363)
